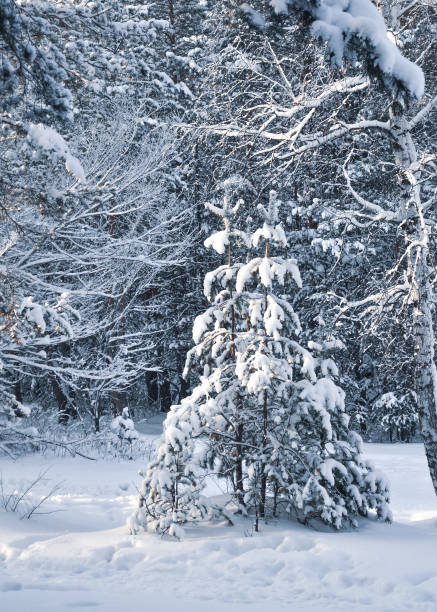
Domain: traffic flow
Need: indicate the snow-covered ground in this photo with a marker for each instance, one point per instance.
(81, 556)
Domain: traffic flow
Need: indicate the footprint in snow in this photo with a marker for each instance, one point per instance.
(298, 544)
(125, 559)
(103, 554)
(28, 541)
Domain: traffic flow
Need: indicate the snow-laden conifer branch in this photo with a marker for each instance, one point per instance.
(343, 24)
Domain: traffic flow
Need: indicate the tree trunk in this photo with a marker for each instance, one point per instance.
(419, 276)
(164, 395)
(263, 493)
(61, 399)
(426, 375)
(152, 387)
(119, 401)
(97, 414)
(18, 391)
(262, 504)
(239, 466)
(239, 482)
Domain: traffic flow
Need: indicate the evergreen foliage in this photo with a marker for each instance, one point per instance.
(267, 416)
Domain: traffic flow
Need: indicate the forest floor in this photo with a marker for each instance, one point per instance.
(80, 556)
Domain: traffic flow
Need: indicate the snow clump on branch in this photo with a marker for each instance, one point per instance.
(338, 21)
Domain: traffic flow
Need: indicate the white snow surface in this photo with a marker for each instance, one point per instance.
(82, 557)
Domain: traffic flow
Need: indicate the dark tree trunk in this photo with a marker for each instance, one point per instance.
(239, 467)
(61, 399)
(119, 401)
(18, 392)
(263, 492)
(152, 387)
(164, 395)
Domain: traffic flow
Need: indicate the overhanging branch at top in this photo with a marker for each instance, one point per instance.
(344, 24)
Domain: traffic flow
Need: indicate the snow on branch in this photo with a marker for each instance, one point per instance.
(377, 213)
(423, 113)
(254, 16)
(338, 22)
(51, 141)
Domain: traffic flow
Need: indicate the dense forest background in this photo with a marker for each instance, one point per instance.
(120, 121)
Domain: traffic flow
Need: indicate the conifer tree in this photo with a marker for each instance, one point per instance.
(267, 415)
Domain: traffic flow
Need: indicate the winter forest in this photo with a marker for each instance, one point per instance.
(218, 383)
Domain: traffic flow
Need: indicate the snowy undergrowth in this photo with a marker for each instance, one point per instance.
(54, 439)
(82, 556)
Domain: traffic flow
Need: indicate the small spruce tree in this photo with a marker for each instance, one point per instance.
(267, 415)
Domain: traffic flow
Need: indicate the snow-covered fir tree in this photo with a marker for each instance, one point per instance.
(124, 427)
(397, 415)
(267, 415)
